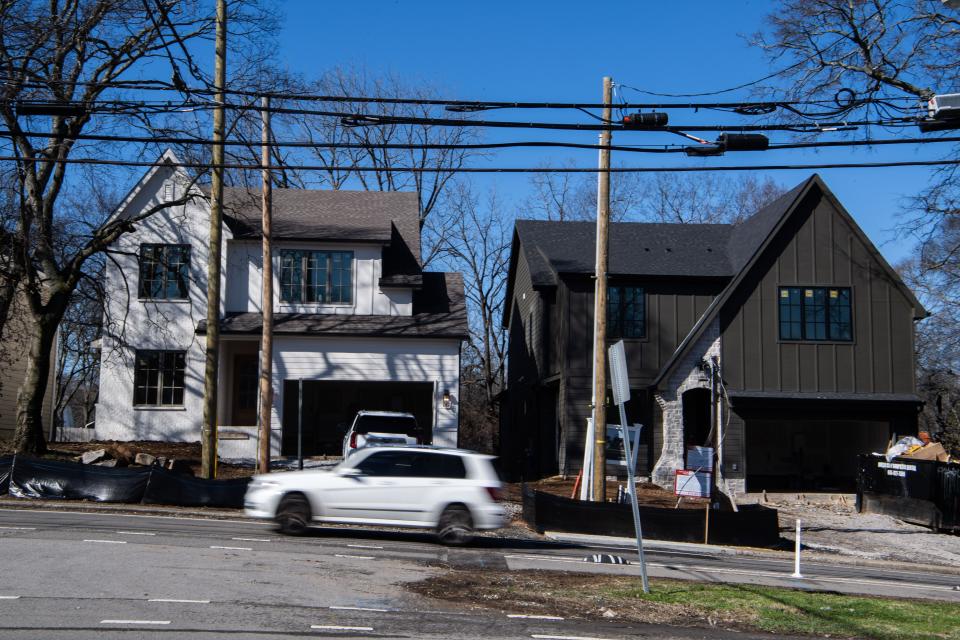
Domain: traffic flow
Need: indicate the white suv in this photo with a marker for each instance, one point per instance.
(451, 491)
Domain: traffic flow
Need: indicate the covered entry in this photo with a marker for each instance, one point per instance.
(330, 405)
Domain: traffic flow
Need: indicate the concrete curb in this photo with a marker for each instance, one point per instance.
(711, 549)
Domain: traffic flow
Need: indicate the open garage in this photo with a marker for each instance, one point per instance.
(328, 408)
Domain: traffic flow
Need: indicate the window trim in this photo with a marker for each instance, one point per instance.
(306, 251)
(803, 324)
(644, 335)
(160, 381)
(141, 294)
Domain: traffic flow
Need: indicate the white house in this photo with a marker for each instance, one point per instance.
(358, 324)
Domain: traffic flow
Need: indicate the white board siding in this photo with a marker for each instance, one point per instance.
(372, 359)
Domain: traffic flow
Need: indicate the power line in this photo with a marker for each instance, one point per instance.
(367, 169)
(307, 144)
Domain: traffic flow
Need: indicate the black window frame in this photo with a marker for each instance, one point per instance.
(160, 382)
(618, 316)
(156, 264)
(299, 282)
(815, 314)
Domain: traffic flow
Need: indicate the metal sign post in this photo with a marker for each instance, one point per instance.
(300, 424)
(620, 382)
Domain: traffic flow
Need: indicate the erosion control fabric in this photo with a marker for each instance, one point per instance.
(24, 477)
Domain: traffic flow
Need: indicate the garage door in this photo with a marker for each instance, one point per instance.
(329, 408)
(809, 455)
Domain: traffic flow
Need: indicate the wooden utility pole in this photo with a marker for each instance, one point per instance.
(600, 305)
(208, 465)
(266, 298)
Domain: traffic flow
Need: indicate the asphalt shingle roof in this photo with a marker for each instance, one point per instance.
(341, 216)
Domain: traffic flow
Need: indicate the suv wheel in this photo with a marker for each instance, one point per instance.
(456, 526)
(293, 514)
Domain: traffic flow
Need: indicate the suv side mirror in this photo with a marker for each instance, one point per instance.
(350, 472)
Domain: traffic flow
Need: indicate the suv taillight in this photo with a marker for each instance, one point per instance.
(353, 440)
(495, 493)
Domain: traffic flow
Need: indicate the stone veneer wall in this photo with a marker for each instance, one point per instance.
(670, 400)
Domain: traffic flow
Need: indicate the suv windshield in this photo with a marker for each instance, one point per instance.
(406, 425)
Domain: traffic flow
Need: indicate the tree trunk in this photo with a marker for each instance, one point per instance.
(29, 438)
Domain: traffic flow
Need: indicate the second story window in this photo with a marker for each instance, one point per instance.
(626, 312)
(815, 314)
(316, 276)
(164, 271)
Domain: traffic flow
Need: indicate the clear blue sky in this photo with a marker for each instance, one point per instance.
(559, 51)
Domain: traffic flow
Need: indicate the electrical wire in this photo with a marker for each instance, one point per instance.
(452, 170)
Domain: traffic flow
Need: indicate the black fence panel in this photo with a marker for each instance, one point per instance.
(33, 478)
(6, 462)
(752, 525)
(166, 487)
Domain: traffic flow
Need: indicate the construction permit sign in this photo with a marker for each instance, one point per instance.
(692, 484)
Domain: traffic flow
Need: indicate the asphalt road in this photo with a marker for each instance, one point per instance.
(106, 575)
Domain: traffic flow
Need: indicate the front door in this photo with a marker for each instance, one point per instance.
(245, 377)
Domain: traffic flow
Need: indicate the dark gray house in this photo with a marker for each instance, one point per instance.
(810, 327)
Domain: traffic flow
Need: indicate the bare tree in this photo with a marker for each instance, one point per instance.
(573, 196)
(687, 198)
(477, 243)
(76, 53)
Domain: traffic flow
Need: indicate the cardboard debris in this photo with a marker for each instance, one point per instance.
(931, 451)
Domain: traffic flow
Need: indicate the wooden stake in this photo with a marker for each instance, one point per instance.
(208, 464)
(266, 297)
(600, 307)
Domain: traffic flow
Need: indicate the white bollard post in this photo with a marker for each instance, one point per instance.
(796, 561)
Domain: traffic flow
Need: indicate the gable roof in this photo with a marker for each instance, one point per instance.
(337, 216)
(759, 237)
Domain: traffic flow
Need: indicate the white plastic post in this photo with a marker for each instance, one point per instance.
(796, 560)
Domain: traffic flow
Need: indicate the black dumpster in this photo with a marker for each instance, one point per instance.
(923, 492)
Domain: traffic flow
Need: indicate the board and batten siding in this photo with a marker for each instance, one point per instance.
(372, 359)
(818, 247)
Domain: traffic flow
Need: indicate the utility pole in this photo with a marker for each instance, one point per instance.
(600, 305)
(266, 298)
(208, 465)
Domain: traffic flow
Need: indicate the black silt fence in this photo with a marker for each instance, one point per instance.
(24, 477)
(752, 525)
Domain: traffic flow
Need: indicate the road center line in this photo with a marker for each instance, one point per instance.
(251, 539)
(231, 548)
(345, 555)
(178, 601)
(136, 533)
(19, 528)
(134, 622)
(360, 609)
(364, 546)
(546, 637)
(530, 616)
(333, 627)
(108, 541)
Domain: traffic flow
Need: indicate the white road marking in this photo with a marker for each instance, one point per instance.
(134, 622)
(108, 541)
(333, 627)
(345, 555)
(546, 637)
(136, 533)
(360, 609)
(530, 616)
(364, 546)
(251, 539)
(178, 601)
(231, 548)
(9, 597)
(19, 528)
